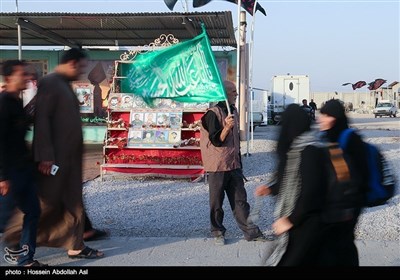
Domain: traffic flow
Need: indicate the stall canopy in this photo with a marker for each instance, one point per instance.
(112, 29)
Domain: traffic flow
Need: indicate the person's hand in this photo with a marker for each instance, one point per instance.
(262, 190)
(45, 167)
(4, 187)
(281, 225)
(229, 122)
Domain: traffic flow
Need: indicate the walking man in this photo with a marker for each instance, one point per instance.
(17, 184)
(58, 140)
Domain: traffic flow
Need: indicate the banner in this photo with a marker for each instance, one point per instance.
(376, 84)
(248, 5)
(185, 72)
(359, 84)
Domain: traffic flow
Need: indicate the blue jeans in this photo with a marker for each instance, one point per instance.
(22, 195)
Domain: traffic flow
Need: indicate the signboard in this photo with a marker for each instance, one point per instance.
(84, 93)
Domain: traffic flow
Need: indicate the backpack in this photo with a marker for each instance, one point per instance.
(381, 179)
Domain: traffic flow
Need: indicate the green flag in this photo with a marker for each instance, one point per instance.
(185, 72)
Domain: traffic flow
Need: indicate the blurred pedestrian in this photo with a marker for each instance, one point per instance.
(17, 183)
(313, 105)
(304, 104)
(341, 210)
(58, 141)
(92, 234)
(307, 108)
(220, 149)
(29, 102)
(300, 191)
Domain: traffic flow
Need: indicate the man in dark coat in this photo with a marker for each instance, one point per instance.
(58, 141)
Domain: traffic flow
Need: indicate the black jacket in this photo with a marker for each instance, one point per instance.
(14, 151)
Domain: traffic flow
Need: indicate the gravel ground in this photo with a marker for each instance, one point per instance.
(159, 207)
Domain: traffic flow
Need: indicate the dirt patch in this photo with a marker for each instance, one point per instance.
(92, 158)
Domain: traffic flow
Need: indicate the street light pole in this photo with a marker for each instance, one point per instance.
(243, 103)
(251, 96)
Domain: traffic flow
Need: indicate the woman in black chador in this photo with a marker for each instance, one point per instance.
(300, 191)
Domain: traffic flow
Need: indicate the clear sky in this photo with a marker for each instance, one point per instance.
(333, 42)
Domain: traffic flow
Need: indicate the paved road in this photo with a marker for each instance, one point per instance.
(174, 251)
(362, 121)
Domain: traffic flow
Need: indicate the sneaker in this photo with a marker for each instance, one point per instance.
(219, 240)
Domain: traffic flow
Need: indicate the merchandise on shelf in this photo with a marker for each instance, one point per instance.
(159, 141)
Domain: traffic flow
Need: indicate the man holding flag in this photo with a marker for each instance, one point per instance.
(187, 72)
(220, 151)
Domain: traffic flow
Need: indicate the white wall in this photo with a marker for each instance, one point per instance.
(354, 97)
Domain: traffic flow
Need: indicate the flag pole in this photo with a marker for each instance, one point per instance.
(238, 49)
(253, 22)
(228, 107)
(238, 53)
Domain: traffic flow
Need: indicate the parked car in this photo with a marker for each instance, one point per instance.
(385, 108)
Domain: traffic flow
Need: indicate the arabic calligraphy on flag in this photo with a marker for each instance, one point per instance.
(185, 72)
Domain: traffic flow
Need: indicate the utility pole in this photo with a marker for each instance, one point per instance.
(242, 77)
(19, 35)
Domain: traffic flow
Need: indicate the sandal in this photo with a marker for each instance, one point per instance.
(87, 253)
(35, 263)
(97, 235)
